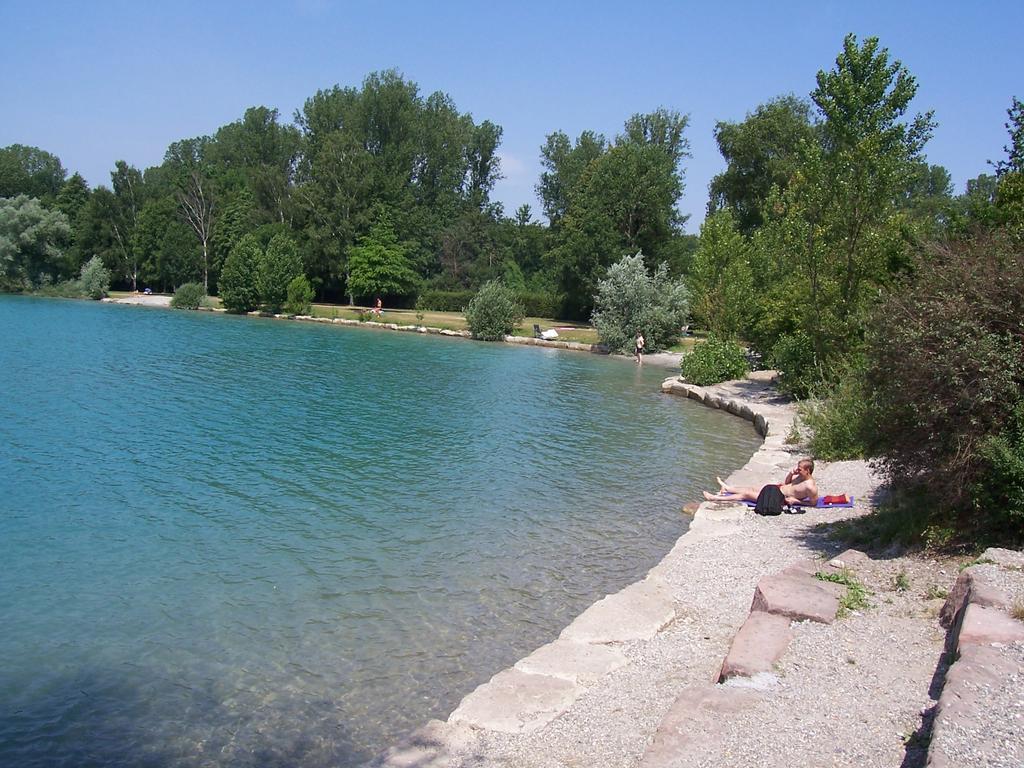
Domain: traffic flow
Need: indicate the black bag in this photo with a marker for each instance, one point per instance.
(770, 501)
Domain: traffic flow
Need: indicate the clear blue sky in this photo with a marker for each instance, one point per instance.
(95, 82)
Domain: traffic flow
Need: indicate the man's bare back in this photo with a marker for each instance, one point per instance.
(799, 487)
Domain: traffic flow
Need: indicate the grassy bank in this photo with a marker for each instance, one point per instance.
(454, 321)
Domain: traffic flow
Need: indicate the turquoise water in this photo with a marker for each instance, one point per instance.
(229, 541)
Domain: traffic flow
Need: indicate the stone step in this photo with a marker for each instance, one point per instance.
(760, 643)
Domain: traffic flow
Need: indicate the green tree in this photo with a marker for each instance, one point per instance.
(189, 165)
(239, 218)
(840, 227)
(631, 300)
(32, 242)
(239, 280)
(624, 199)
(260, 154)
(279, 265)
(564, 164)
(71, 201)
(1014, 162)
(977, 205)
(30, 171)
(721, 281)
(384, 145)
(167, 249)
(378, 266)
(762, 152)
(129, 198)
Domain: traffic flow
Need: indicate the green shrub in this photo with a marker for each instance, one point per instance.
(95, 278)
(239, 286)
(999, 491)
(945, 365)
(444, 301)
(793, 357)
(714, 360)
(300, 297)
(67, 289)
(189, 296)
(538, 304)
(631, 300)
(494, 312)
(837, 417)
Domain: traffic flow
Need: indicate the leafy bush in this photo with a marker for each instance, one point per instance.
(945, 364)
(630, 300)
(444, 301)
(300, 297)
(714, 360)
(95, 278)
(494, 312)
(999, 494)
(189, 296)
(793, 356)
(239, 287)
(67, 289)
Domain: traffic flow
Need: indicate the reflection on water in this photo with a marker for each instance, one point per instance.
(239, 542)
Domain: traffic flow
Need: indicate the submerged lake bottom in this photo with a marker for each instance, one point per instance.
(231, 541)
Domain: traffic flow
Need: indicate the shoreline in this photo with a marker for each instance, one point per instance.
(544, 685)
(638, 678)
(659, 359)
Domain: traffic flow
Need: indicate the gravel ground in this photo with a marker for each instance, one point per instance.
(142, 299)
(854, 693)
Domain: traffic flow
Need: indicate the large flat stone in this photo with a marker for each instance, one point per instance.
(965, 714)
(798, 596)
(970, 587)
(637, 612)
(572, 661)
(720, 512)
(761, 641)
(515, 702)
(691, 723)
(983, 625)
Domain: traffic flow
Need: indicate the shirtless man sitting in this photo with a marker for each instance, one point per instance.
(799, 488)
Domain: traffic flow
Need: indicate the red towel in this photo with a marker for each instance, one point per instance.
(840, 499)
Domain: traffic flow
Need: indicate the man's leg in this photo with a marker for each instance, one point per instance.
(732, 494)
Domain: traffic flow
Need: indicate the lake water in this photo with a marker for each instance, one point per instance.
(242, 542)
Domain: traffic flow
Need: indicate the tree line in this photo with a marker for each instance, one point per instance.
(893, 306)
(381, 190)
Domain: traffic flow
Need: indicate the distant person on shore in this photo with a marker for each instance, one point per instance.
(799, 488)
(378, 307)
(638, 349)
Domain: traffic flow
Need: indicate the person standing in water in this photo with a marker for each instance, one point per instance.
(638, 349)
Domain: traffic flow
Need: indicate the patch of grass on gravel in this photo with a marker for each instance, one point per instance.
(856, 597)
(1018, 610)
